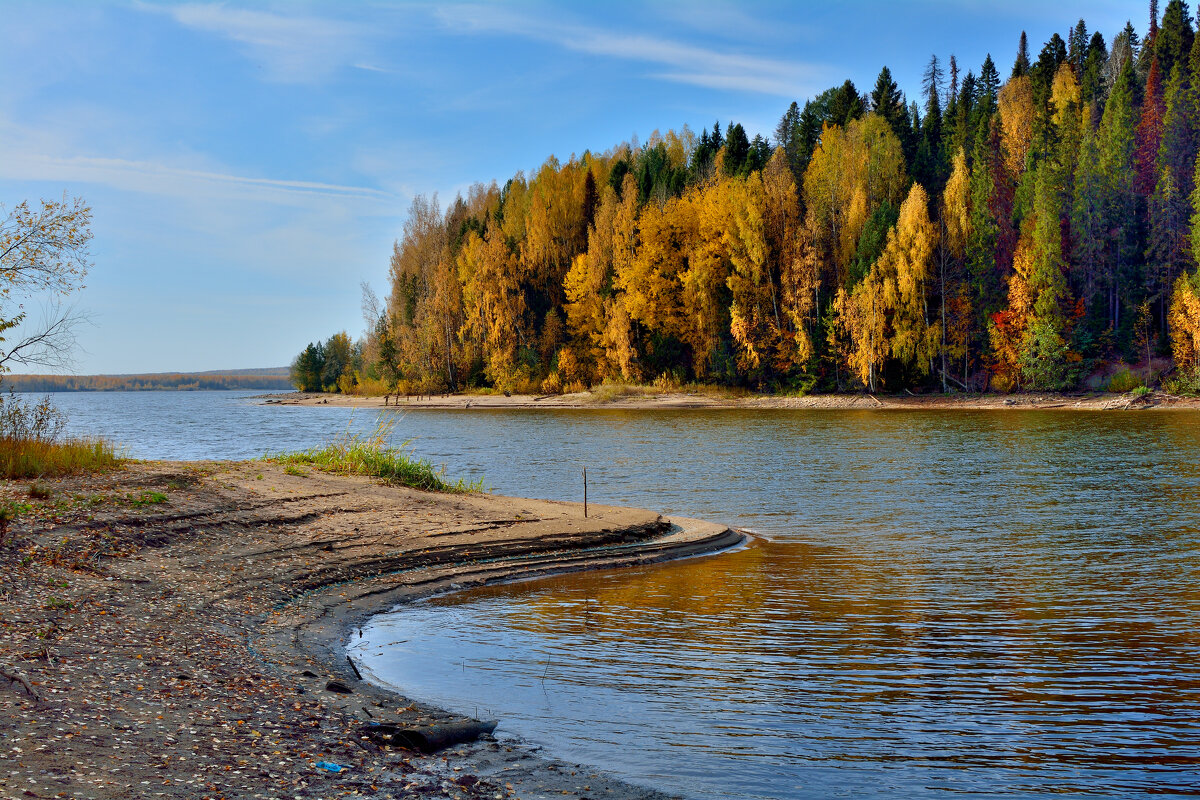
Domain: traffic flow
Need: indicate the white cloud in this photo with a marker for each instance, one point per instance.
(160, 179)
(686, 63)
(291, 49)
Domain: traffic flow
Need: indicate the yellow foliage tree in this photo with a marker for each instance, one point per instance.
(1016, 122)
(955, 296)
(494, 306)
(1183, 320)
(1008, 328)
(753, 321)
(851, 173)
(588, 284)
(800, 281)
(905, 268)
(651, 280)
(862, 315)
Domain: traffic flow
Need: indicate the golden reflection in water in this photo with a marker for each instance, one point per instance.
(991, 604)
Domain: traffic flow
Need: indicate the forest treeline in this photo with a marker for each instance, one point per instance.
(273, 378)
(993, 233)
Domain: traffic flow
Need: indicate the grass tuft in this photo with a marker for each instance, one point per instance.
(356, 454)
(33, 458)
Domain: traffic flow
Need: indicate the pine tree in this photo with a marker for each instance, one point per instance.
(887, 103)
(1091, 79)
(789, 139)
(1173, 42)
(1077, 46)
(1021, 65)
(1181, 137)
(1089, 226)
(987, 86)
(1116, 161)
(1043, 354)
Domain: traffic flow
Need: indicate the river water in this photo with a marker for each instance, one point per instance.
(978, 604)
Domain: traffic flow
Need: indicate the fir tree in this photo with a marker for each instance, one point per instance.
(1021, 65)
(1174, 40)
(1044, 345)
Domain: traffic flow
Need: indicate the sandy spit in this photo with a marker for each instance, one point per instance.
(171, 629)
(1092, 401)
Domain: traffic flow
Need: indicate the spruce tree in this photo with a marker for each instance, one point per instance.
(1174, 40)
(887, 102)
(1021, 65)
(1044, 345)
(1116, 168)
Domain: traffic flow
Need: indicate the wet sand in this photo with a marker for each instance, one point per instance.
(171, 629)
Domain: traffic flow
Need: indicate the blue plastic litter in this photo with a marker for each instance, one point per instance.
(329, 766)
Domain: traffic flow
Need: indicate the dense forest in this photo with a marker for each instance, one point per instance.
(1023, 233)
(249, 379)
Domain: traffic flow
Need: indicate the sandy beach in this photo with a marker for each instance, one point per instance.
(178, 630)
(1091, 401)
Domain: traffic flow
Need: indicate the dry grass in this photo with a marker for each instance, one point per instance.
(35, 458)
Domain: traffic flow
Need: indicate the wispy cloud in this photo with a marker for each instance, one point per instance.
(291, 49)
(685, 63)
(154, 178)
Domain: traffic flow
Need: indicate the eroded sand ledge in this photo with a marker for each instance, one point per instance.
(182, 648)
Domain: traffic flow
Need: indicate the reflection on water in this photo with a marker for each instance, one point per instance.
(973, 603)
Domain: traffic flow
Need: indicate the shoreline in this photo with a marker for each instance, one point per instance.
(182, 647)
(645, 400)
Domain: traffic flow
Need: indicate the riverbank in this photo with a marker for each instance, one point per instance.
(641, 398)
(172, 629)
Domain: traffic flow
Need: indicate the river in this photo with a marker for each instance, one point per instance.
(976, 604)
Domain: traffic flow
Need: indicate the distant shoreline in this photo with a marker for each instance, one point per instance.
(269, 379)
(1090, 401)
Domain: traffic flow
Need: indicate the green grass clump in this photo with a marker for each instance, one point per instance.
(1124, 381)
(355, 454)
(147, 499)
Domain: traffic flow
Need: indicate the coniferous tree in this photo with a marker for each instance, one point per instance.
(1077, 46)
(1149, 133)
(1091, 79)
(1043, 355)
(887, 102)
(988, 86)
(789, 138)
(1173, 42)
(737, 148)
(1021, 64)
(1116, 161)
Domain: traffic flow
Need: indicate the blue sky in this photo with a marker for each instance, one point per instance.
(249, 164)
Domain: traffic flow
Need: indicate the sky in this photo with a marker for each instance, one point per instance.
(249, 165)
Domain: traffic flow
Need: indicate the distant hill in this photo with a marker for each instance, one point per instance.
(266, 378)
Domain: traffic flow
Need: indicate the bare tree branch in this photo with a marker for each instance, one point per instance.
(43, 250)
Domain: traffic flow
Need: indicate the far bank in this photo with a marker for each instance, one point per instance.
(640, 398)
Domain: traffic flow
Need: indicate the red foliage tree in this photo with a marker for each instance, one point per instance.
(1149, 134)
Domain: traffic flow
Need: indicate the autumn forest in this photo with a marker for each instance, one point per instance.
(1026, 231)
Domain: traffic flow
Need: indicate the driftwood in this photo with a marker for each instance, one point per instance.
(20, 680)
(953, 379)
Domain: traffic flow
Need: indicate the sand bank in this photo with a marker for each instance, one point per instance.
(170, 629)
(1093, 401)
